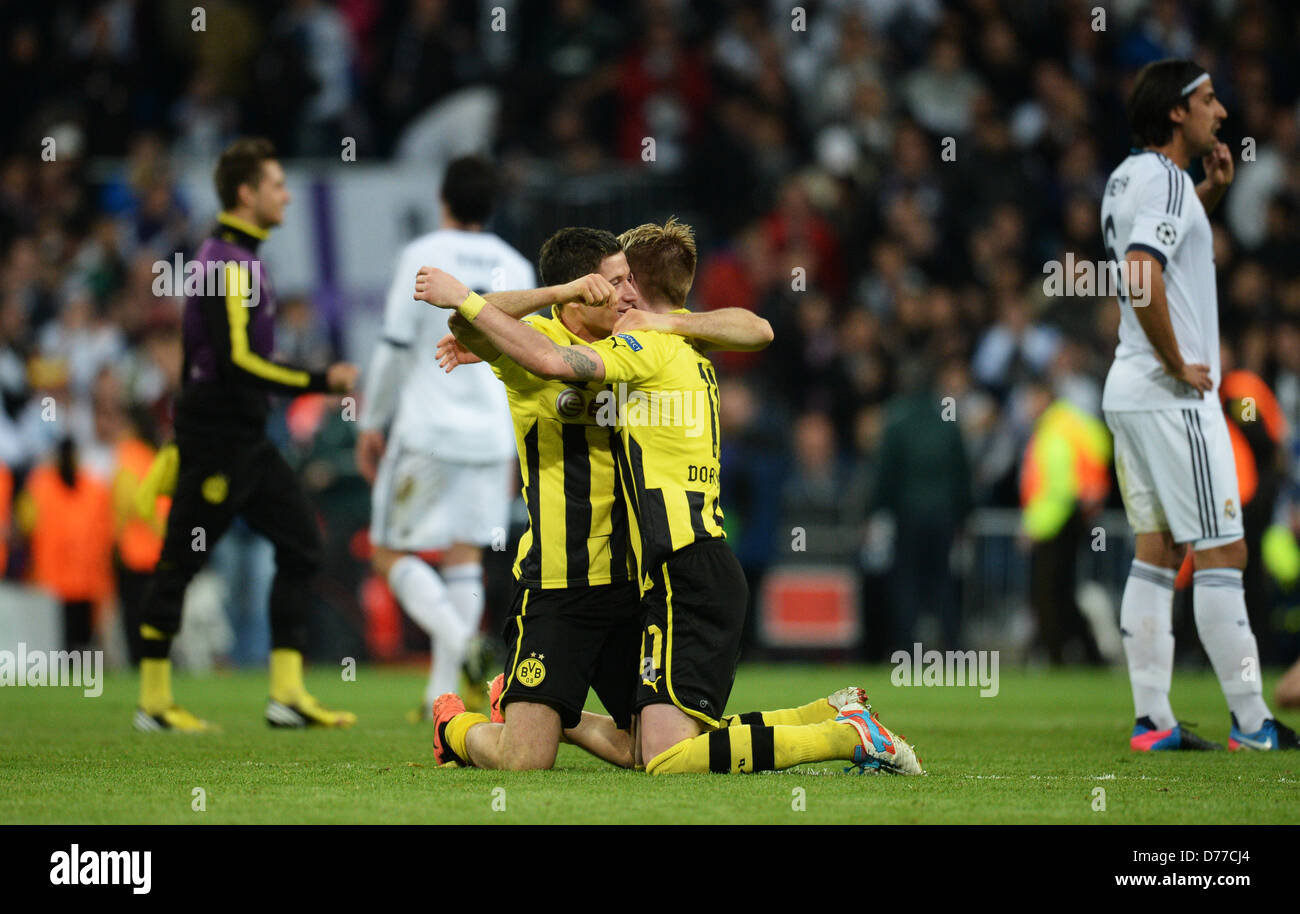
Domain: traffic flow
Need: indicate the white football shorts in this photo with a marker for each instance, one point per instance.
(1177, 472)
(422, 503)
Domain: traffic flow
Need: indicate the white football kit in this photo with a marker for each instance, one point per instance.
(449, 459)
(1173, 456)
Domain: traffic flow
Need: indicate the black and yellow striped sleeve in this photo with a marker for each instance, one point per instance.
(228, 320)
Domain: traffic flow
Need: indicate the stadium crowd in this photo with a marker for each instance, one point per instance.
(884, 180)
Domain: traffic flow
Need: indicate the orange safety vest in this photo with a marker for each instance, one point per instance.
(1237, 390)
(139, 540)
(72, 535)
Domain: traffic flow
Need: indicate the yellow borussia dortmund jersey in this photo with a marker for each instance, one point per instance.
(578, 531)
(663, 397)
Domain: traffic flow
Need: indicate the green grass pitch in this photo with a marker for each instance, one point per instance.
(1033, 754)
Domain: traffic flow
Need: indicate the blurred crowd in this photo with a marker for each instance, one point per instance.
(884, 180)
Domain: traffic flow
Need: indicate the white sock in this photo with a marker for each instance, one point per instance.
(1224, 627)
(448, 658)
(427, 600)
(1145, 619)
(465, 588)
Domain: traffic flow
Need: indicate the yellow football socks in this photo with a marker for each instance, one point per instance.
(747, 748)
(812, 713)
(286, 676)
(457, 729)
(155, 685)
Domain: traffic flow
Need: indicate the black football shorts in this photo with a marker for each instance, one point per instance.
(561, 642)
(693, 617)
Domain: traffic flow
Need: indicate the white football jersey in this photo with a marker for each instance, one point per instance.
(1150, 204)
(463, 416)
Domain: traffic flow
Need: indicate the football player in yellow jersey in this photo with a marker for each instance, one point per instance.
(576, 617)
(658, 388)
(575, 623)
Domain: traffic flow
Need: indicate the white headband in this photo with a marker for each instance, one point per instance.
(1191, 86)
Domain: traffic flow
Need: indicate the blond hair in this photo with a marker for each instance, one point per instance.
(662, 258)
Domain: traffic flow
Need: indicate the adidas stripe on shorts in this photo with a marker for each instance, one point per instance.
(1177, 472)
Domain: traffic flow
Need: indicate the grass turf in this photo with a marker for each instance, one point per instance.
(1032, 754)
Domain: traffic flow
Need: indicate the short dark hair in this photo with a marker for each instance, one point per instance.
(574, 252)
(241, 163)
(469, 189)
(1159, 87)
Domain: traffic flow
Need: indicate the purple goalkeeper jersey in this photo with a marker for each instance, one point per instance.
(229, 337)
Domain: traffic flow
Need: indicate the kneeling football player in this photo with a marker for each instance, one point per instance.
(694, 595)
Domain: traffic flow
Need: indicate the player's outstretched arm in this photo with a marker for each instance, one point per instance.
(732, 329)
(1146, 283)
(588, 290)
(531, 349)
(471, 339)
(528, 348)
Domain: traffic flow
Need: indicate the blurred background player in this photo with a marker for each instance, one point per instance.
(442, 475)
(227, 465)
(1173, 454)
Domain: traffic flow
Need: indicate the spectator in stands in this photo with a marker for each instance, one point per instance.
(923, 480)
(752, 461)
(941, 95)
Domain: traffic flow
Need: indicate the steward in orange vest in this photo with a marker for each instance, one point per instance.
(68, 515)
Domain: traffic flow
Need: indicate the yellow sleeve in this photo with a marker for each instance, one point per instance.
(634, 358)
(510, 372)
(242, 355)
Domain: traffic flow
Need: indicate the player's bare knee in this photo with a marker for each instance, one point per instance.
(1287, 694)
(1231, 555)
(1159, 549)
(461, 554)
(535, 757)
(531, 738)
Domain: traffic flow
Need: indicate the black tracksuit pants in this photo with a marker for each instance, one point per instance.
(223, 474)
